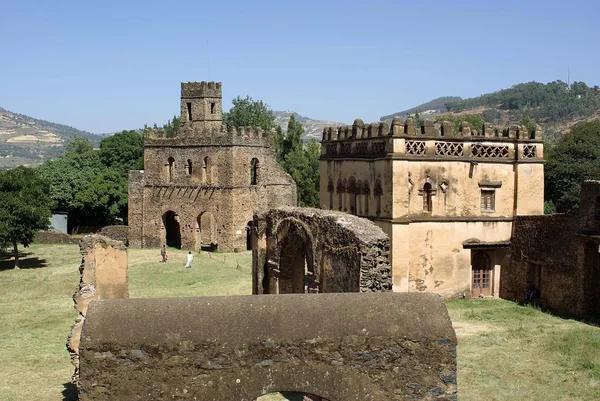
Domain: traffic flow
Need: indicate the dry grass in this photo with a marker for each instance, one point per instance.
(506, 352)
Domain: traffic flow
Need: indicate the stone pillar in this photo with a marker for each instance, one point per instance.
(102, 275)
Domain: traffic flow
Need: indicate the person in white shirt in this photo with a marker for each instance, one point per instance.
(190, 259)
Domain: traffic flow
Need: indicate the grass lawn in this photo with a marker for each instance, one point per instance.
(506, 351)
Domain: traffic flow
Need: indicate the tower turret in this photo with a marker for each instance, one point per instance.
(201, 104)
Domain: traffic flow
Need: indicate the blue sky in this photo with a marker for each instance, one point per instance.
(104, 66)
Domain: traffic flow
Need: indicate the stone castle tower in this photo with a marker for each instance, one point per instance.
(201, 187)
(446, 199)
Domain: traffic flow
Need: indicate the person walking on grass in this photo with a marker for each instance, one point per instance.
(190, 259)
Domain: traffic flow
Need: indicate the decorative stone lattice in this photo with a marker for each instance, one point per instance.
(361, 148)
(346, 148)
(529, 151)
(378, 148)
(448, 149)
(332, 149)
(488, 151)
(415, 148)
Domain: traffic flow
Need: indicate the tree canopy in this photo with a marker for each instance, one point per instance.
(91, 185)
(573, 159)
(247, 112)
(24, 207)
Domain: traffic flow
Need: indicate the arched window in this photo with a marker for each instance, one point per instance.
(189, 168)
(254, 171)
(427, 192)
(367, 194)
(358, 197)
(378, 192)
(330, 190)
(340, 192)
(170, 169)
(352, 195)
(207, 174)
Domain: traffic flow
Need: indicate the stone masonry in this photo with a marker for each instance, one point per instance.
(343, 347)
(296, 250)
(558, 257)
(201, 187)
(102, 275)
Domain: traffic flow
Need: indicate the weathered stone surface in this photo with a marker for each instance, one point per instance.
(117, 233)
(203, 186)
(557, 255)
(54, 237)
(103, 275)
(305, 249)
(342, 347)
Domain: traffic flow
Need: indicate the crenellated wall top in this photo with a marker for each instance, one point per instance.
(428, 129)
(245, 136)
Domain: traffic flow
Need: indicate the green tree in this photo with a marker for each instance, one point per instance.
(103, 200)
(300, 161)
(123, 152)
(574, 158)
(24, 207)
(247, 112)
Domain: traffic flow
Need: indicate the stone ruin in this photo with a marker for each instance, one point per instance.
(296, 250)
(342, 347)
(102, 275)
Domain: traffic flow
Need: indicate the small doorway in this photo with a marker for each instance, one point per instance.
(481, 275)
(172, 229)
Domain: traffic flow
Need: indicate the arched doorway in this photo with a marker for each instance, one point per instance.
(295, 272)
(172, 229)
(481, 275)
(206, 231)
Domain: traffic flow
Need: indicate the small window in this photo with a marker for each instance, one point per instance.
(170, 168)
(427, 203)
(189, 167)
(212, 108)
(189, 110)
(488, 200)
(254, 171)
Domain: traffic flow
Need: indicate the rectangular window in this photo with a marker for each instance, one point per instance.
(189, 110)
(488, 200)
(212, 108)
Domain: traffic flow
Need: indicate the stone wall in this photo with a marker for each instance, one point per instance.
(117, 233)
(314, 250)
(342, 347)
(557, 255)
(54, 237)
(209, 178)
(102, 275)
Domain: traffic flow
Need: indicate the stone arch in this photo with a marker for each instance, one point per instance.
(294, 257)
(172, 229)
(378, 193)
(340, 193)
(351, 190)
(254, 168)
(206, 231)
(366, 190)
(330, 192)
(358, 198)
(189, 167)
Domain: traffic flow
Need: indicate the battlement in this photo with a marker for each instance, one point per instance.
(201, 89)
(360, 130)
(223, 135)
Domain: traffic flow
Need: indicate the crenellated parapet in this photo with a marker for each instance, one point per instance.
(431, 139)
(244, 136)
(201, 89)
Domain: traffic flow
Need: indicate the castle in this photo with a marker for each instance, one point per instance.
(201, 187)
(447, 198)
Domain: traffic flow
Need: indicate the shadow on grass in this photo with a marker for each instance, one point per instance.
(70, 392)
(6, 262)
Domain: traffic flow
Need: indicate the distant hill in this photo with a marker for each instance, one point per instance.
(554, 105)
(26, 140)
(313, 129)
(431, 108)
